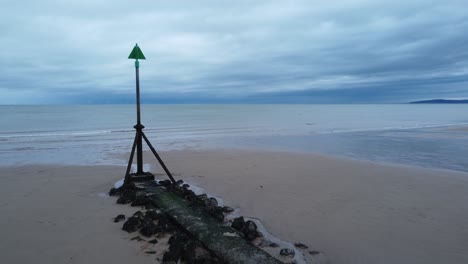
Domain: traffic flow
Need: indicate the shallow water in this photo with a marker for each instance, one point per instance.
(407, 134)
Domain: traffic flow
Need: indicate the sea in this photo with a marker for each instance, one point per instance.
(423, 135)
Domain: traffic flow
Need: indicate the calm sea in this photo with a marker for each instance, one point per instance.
(423, 135)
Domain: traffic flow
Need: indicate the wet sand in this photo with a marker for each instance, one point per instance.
(353, 211)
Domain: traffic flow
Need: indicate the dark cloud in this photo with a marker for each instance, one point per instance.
(351, 51)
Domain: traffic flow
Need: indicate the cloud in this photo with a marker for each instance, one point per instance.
(243, 51)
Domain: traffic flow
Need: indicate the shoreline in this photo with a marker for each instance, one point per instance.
(354, 211)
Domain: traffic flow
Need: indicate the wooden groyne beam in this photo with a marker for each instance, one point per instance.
(224, 241)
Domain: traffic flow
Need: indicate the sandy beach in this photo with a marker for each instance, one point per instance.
(353, 211)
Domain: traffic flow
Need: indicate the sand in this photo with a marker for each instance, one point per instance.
(58, 214)
(353, 211)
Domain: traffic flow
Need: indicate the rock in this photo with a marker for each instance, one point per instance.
(119, 218)
(250, 230)
(127, 196)
(152, 214)
(211, 206)
(212, 202)
(165, 183)
(163, 220)
(128, 186)
(227, 209)
(274, 245)
(238, 223)
(179, 182)
(124, 200)
(185, 186)
(165, 225)
(114, 192)
(149, 229)
(314, 252)
(150, 252)
(301, 246)
(194, 253)
(169, 228)
(139, 214)
(141, 200)
(153, 241)
(287, 252)
(264, 243)
(202, 199)
(190, 195)
(132, 224)
(218, 214)
(150, 206)
(176, 247)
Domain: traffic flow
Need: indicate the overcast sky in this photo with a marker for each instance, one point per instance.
(347, 51)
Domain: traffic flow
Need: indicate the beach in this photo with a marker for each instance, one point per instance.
(353, 211)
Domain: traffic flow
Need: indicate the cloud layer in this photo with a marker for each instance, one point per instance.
(350, 51)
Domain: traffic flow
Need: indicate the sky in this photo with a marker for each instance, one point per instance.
(347, 51)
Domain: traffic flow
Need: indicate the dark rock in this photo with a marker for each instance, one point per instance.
(163, 220)
(179, 182)
(238, 223)
(139, 214)
(169, 228)
(149, 229)
(202, 199)
(301, 246)
(212, 202)
(165, 225)
(150, 252)
(218, 214)
(195, 253)
(177, 190)
(190, 195)
(115, 192)
(227, 209)
(212, 208)
(150, 206)
(119, 218)
(132, 224)
(185, 186)
(141, 200)
(274, 245)
(152, 214)
(153, 241)
(287, 252)
(127, 186)
(176, 247)
(165, 183)
(124, 200)
(250, 230)
(127, 196)
(314, 252)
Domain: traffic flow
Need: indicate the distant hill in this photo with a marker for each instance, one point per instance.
(441, 101)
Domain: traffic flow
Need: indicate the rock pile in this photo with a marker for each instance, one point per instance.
(247, 228)
(181, 246)
(154, 222)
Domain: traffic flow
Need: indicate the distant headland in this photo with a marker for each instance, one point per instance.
(441, 101)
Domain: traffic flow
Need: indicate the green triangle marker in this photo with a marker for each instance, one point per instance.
(136, 53)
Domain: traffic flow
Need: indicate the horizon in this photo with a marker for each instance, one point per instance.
(227, 103)
(265, 52)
